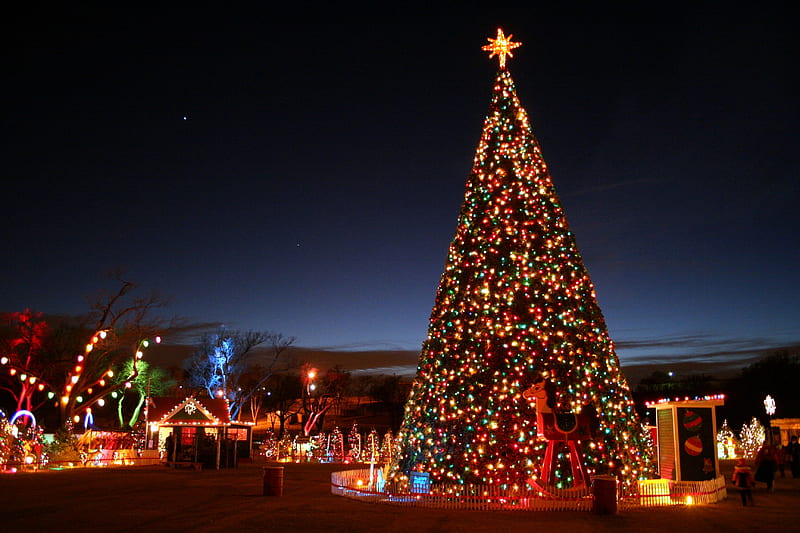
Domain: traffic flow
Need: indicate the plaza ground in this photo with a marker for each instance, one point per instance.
(159, 499)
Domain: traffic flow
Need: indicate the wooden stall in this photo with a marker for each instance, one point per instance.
(687, 435)
(197, 432)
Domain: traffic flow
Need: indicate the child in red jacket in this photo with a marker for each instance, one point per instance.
(744, 481)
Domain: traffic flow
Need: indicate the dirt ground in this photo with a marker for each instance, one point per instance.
(158, 499)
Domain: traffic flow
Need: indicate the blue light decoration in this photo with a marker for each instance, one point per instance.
(380, 482)
(23, 412)
(88, 419)
(420, 482)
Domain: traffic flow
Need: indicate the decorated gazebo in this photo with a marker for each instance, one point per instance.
(197, 432)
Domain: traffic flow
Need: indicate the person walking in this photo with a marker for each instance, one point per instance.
(169, 448)
(784, 459)
(766, 466)
(743, 481)
(793, 456)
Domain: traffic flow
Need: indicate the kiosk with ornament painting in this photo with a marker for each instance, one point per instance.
(687, 438)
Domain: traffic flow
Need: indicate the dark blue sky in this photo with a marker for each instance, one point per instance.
(304, 173)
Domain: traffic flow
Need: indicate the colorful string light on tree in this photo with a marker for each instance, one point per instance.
(354, 442)
(751, 437)
(515, 304)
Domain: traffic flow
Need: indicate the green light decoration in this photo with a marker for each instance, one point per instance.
(515, 304)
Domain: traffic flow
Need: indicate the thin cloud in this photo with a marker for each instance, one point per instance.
(698, 348)
(367, 346)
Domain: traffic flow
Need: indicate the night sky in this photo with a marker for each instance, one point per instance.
(302, 173)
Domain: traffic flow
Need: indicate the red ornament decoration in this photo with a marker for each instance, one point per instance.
(693, 446)
(692, 421)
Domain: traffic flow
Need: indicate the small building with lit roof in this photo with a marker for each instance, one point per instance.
(197, 431)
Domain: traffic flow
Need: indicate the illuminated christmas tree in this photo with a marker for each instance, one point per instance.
(727, 442)
(751, 437)
(354, 442)
(515, 305)
(387, 447)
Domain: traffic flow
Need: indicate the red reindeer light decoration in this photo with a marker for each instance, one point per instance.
(560, 428)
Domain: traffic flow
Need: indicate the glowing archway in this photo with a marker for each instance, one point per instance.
(23, 412)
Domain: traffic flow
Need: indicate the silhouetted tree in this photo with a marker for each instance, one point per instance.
(320, 394)
(660, 384)
(282, 397)
(389, 391)
(776, 374)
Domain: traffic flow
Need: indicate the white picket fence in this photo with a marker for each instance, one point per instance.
(356, 484)
(665, 492)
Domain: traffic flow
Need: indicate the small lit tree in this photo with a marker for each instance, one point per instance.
(726, 442)
(336, 445)
(21, 443)
(752, 437)
(354, 442)
(372, 450)
(6, 442)
(387, 447)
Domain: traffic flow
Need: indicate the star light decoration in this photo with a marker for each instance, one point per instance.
(769, 405)
(501, 47)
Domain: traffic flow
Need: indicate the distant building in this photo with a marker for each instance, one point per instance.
(787, 428)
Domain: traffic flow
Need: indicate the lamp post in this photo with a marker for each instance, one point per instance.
(311, 386)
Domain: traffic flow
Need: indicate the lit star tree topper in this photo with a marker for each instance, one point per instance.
(501, 47)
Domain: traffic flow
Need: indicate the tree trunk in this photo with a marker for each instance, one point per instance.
(137, 411)
(120, 416)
